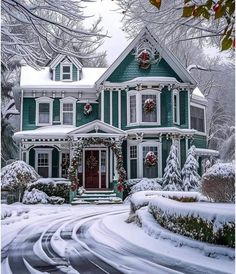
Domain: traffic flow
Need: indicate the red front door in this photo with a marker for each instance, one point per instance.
(91, 169)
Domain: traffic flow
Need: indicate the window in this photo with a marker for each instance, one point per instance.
(176, 107)
(44, 111)
(68, 111)
(197, 118)
(66, 72)
(67, 114)
(150, 171)
(149, 116)
(43, 164)
(133, 162)
(136, 112)
(133, 109)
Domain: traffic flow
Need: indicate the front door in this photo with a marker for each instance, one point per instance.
(92, 168)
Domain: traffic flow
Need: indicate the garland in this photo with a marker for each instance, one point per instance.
(88, 109)
(150, 159)
(149, 105)
(110, 143)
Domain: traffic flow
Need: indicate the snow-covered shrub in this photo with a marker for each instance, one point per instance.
(172, 178)
(17, 176)
(207, 224)
(5, 212)
(56, 200)
(218, 183)
(191, 178)
(81, 190)
(147, 184)
(132, 182)
(35, 196)
(52, 188)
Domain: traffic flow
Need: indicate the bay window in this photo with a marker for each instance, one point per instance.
(197, 118)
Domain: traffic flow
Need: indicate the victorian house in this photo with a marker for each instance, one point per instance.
(135, 108)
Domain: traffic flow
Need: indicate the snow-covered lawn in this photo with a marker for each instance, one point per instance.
(106, 235)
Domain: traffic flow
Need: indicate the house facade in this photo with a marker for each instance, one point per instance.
(142, 103)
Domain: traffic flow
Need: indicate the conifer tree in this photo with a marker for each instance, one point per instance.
(189, 172)
(172, 178)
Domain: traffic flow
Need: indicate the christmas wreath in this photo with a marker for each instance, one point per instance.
(150, 159)
(87, 109)
(92, 162)
(149, 105)
(144, 59)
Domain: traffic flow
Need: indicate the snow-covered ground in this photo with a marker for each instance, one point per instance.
(69, 238)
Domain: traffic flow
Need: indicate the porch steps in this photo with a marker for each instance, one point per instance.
(97, 197)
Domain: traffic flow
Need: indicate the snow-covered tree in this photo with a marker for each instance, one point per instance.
(189, 172)
(29, 29)
(172, 178)
(16, 177)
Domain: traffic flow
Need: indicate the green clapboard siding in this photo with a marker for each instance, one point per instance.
(199, 141)
(166, 108)
(129, 69)
(115, 108)
(183, 102)
(56, 110)
(123, 109)
(58, 72)
(29, 112)
(107, 107)
(55, 163)
(81, 118)
(166, 144)
(32, 157)
(74, 73)
(182, 152)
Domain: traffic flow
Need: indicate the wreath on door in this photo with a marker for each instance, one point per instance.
(92, 162)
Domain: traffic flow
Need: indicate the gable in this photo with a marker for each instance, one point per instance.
(126, 67)
(129, 69)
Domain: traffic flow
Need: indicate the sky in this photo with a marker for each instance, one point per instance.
(111, 21)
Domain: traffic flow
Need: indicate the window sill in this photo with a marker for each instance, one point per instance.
(144, 124)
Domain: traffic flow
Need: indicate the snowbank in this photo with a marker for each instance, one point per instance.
(224, 169)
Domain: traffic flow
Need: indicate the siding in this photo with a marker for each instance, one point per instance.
(183, 103)
(29, 111)
(129, 69)
(107, 107)
(74, 73)
(57, 72)
(199, 141)
(81, 118)
(115, 108)
(123, 109)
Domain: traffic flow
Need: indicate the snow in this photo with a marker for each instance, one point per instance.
(35, 196)
(198, 92)
(216, 213)
(206, 151)
(57, 131)
(147, 184)
(222, 169)
(32, 78)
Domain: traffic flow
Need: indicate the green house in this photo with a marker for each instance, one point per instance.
(142, 103)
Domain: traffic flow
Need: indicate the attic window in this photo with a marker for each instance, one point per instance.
(66, 73)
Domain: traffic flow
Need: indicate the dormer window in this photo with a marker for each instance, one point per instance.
(66, 72)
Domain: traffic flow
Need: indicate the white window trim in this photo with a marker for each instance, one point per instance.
(140, 146)
(204, 108)
(66, 64)
(139, 108)
(176, 93)
(49, 152)
(68, 100)
(42, 100)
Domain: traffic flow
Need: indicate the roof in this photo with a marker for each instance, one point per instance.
(32, 78)
(57, 131)
(60, 57)
(206, 152)
(169, 57)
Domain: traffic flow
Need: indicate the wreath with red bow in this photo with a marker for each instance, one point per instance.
(150, 159)
(87, 109)
(149, 105)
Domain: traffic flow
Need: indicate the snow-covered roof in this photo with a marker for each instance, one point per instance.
(197, 92)
(206, 152)
(32, 78)
(57, 131)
